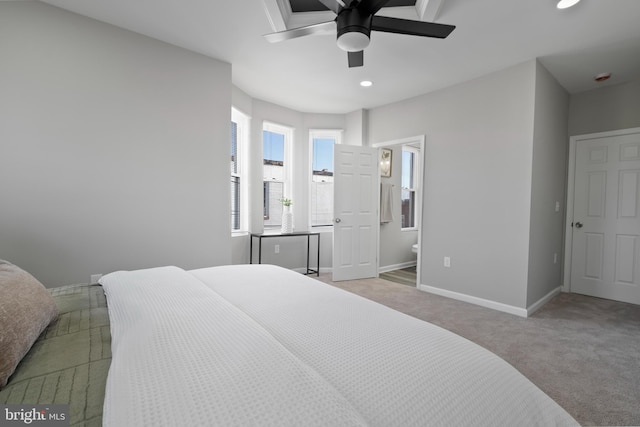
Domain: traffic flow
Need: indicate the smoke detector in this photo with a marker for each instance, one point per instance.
(602, 77)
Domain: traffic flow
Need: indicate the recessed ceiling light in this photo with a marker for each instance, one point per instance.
(563, 4)
(602, 77)
(366, 83)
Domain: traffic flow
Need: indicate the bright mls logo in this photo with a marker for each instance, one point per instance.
(34, 415)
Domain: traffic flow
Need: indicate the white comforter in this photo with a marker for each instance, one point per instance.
(261, 345)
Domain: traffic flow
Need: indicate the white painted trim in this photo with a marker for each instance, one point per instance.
(517, 311)
(542, 301)
(397, 266)
(409, 140)
(568, 229)
(282, 18)
(568, 236)
(323, 270)
(277, 15)
(244, 141)
(302, 19)
(428, 10)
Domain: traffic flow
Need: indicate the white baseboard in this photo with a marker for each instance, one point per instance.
(322, 269)
(542, 301)
(493, 304)
(397, 266)
(475, 300)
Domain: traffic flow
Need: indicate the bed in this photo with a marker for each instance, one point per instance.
(261, 345)
(69, 362)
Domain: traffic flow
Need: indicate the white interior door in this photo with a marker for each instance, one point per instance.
(355, 224)
(605, 254)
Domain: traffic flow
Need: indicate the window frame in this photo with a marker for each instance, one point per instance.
(336, 135)
(242, 150)
(287, 186)
(415, 189)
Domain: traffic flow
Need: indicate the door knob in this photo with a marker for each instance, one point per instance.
(579, 224)
(338, 220)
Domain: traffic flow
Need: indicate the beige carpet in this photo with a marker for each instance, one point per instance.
(583, 352)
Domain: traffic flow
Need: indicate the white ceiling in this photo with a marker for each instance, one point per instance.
(310, 74)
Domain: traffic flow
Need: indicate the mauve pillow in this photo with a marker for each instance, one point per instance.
(26, 309)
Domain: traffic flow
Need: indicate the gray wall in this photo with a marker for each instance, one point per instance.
(550, 147)
(114, 147)
(605, 109)
(477, 180)
(357, 125)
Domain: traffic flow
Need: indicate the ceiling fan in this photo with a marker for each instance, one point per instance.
(354, 22)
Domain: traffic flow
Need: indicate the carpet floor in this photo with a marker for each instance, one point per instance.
(583, 352)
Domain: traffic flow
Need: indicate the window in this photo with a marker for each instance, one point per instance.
(275, 166)
(322, 142)
(239, 132)
(235, 179)
(409, 186)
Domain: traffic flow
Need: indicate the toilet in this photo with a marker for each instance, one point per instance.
(414, 248)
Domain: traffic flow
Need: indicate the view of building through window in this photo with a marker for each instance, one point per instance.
(274, 176)
(408, 193)
(322, 143)
(275, 165)
(235, 179)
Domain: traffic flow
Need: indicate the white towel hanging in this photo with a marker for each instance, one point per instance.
(386, 203)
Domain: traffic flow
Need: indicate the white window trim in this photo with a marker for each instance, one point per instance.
(287, 184)
(416, 185)
(243, 133)
(335, 134)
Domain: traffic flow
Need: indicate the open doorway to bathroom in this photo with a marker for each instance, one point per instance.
(400, 210)
(404, 276)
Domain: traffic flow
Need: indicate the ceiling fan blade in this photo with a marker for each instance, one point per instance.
(414, 28)
(356, 59)
(322, 28)
(371, 7)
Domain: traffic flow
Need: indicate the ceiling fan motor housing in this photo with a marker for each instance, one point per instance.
(354, 30)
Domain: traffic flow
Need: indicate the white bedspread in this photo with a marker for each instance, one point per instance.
(261, 345)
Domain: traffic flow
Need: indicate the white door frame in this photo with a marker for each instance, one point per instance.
(420, 140)
(571, 172)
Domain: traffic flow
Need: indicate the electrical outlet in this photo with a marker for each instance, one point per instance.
(447, 261)
(555, 258)
(557, 206)
(277, 248)
(95, 278)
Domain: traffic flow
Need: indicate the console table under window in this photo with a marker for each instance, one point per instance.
(308, 235)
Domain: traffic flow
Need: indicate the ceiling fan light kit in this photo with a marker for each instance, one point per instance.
(564, 4)
(354, 22)
(353, 42)
(354, 30)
